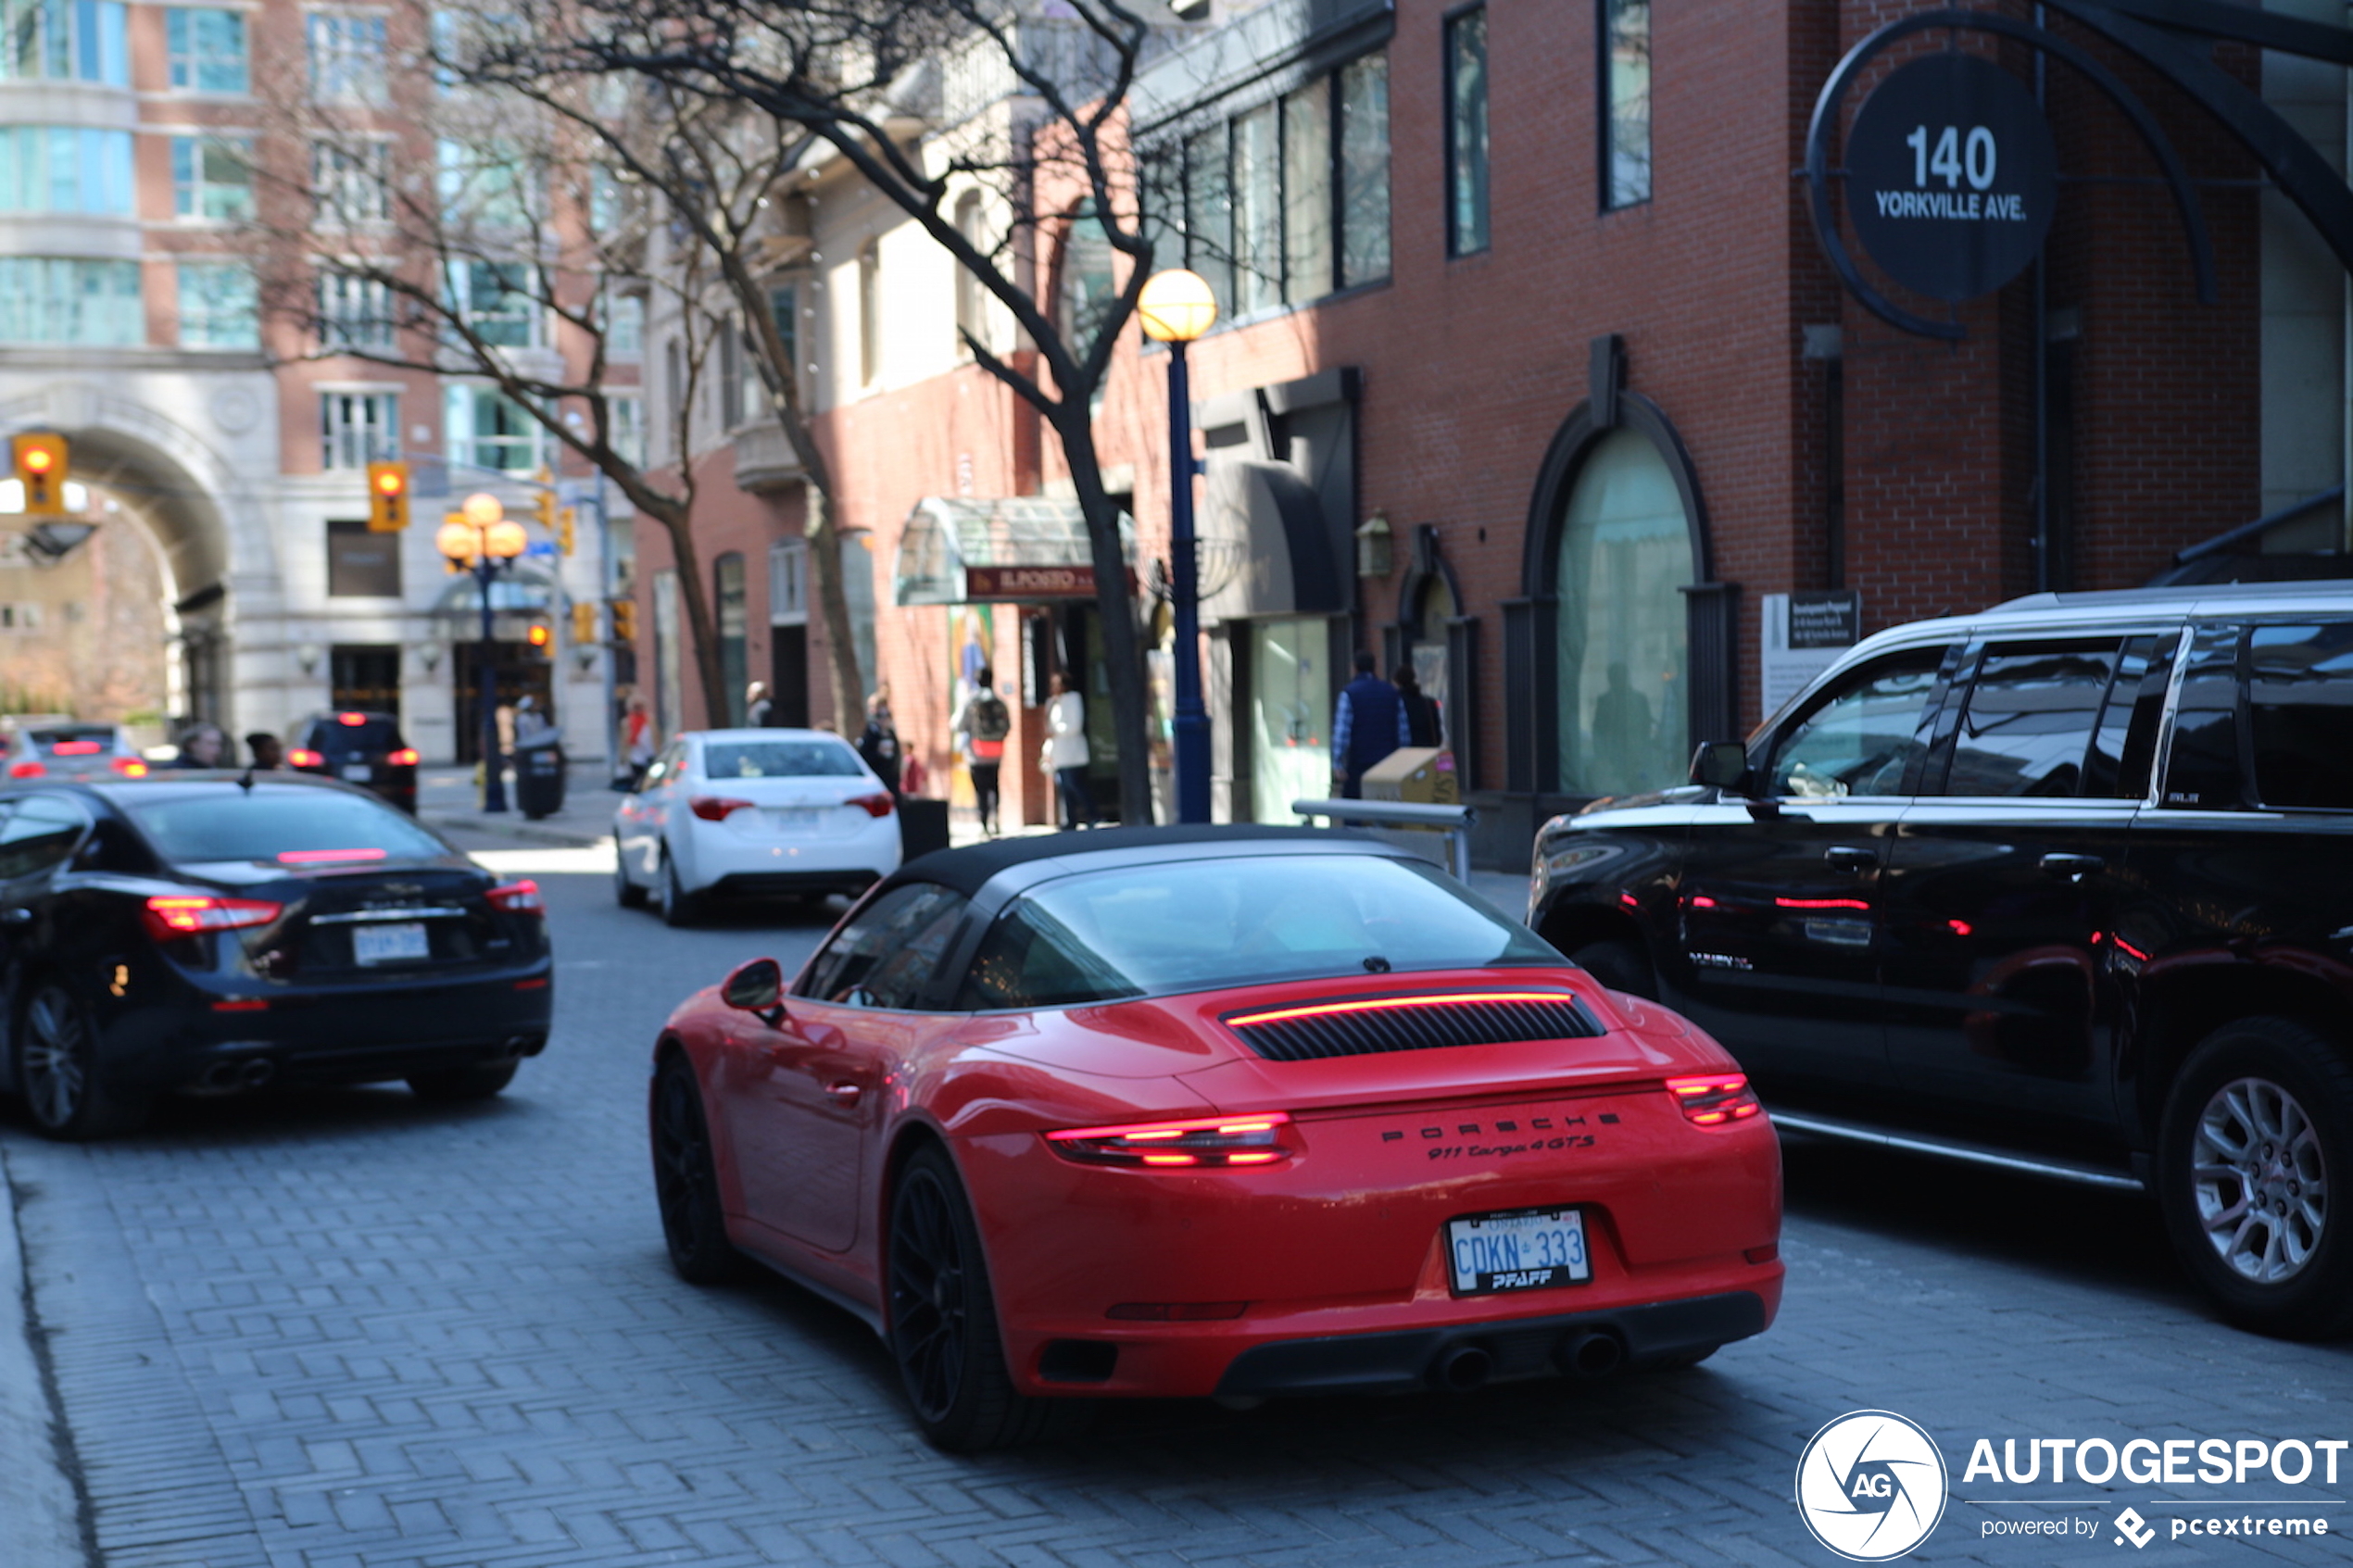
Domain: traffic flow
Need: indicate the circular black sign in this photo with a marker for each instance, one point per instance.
(1950, 176)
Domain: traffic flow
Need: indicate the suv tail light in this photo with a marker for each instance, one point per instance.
(169, 917)
(877, 805)
(298, 757)
(715, 808)
(1715, 1099)
(405, 758)
(1210, 1141)
(518, 898)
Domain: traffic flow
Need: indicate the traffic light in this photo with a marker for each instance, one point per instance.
(543, 507)
(567, 530)
(540, 635)
(583, 624)
(41, 469)
(624, 620)
(387, 497)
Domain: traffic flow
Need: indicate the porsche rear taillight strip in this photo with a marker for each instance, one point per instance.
(1383, 1004)
(1211, 1142)
(1715, 1099)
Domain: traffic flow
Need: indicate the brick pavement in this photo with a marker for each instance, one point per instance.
(343, 1329)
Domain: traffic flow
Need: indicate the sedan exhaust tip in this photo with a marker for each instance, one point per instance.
(1462, 1368)
(1589, 1354)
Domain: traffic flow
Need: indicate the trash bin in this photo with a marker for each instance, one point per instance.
(923, 825)
(539, 775)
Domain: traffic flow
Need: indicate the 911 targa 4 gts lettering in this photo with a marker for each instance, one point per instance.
(1233, 1112)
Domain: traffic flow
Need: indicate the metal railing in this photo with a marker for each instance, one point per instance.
(1454, 822)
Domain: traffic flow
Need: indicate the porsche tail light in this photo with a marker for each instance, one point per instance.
(1265, 1138)
(404, 757)
(715, 808)
(1715, 1099)
(171, 916)
(878, 803)
(518, 898)
(131, 767)
(300, 758)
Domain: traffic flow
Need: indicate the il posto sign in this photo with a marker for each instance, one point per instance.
(1950, 176)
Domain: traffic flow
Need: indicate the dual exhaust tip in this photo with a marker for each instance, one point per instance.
(229, 1077)
(1584, 1354)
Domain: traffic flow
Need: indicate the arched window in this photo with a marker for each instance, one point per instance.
(735, 650)
(1623, 680)
(869, 312)
(972, 300)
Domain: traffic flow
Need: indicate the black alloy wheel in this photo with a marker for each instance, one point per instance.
(2255, 1170)
(626, 893)
(686, 1181)
(679, 907)
(57, 1070)
(943, 1322)
(455, 1086)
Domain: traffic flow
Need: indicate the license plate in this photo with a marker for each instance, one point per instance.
(794, 817)
(1519, 1249)
(357, 772)
(389, 944)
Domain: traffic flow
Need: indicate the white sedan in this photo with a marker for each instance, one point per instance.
(772, 814)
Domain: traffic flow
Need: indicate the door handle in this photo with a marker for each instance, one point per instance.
(844, 1094)
(2074, 867)
(16, 915)
(1846, 857)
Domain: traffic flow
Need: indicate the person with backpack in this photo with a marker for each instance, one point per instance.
(981, 727)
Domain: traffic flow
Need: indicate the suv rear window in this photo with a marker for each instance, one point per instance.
(2300, 709)
(336, 738)
(295, 826)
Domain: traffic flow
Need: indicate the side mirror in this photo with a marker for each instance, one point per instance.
(757, 986)
(1720, 764)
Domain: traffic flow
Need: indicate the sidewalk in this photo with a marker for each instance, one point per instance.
(38, 1500)
(448, 797)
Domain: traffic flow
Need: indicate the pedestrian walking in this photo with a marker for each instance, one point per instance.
(1065, 754)
(1421, 725)
(1370, 724)
(980, 729)
(878, 743)
(267, 752)
(757, 705)
(637, 740)
(202, 744)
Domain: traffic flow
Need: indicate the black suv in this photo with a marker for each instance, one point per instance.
(2066, 887)
(361, 749)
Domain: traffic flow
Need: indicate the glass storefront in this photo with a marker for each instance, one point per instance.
(1625, 554)
(1290, 715)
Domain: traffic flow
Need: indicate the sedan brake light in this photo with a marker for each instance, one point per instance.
(877, 805)
(131, 767)
(1210, 1141)
(27, 770)
(171, 916)
(298, 757)
(518, 898)
(715, 808)
(1715, 1099)
(326, 857)
(76, 748)
(405, 758)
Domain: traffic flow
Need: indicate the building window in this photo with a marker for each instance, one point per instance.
(46, 299)
(490, 184)
(869, 312)
(628, 431)
(1258, 210)
(220, 306)
(348, 62)
(1307, 191)
(1209, 212)
(625, 325)
(732, 369)
(673, 382)
(1363, 171)
(64, 41)
(972, 300)
(354, 312)
(1625, 556)
(735, 648)
(784, 308)
(212, 178)
(487, 429)
(1626, 101)
(360, 564)
(351, 182)
(207, 49)
(358, 428)
(788, 583)
(65, 168)
(1087, 294)
(1466, 133)
(494, 299)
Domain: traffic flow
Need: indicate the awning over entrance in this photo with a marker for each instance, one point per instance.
(522, 589)
(1017, 549)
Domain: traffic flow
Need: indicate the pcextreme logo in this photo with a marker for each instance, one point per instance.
(1871, 1485)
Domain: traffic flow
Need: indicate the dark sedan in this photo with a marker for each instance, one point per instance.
(213, 932)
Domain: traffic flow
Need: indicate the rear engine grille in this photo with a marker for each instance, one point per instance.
(1372, 1025)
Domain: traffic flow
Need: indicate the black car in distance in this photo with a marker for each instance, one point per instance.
(360, 748)
(212, 931)
(2065, 887)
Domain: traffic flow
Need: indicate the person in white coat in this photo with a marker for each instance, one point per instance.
(1065, 752)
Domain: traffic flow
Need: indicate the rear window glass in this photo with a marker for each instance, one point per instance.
(1190, 926)
(779, 760)
(77, 735)
(2300, 707)
(333, 736)
(295, 826)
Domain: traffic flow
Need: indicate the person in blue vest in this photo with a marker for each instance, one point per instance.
(1368, 725)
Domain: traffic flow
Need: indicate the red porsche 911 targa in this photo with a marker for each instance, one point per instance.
(1235, 1111)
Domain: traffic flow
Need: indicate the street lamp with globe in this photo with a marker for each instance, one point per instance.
(479, 539)
(1176, 307)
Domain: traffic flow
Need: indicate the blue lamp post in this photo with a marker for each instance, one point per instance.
(1176, 307)
(480, 541)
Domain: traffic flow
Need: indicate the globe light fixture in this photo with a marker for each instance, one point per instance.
(1175, 307)
(482, 508)
(506, 539)
(455, 541)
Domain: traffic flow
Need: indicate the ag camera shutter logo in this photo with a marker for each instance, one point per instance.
(1871, 1485)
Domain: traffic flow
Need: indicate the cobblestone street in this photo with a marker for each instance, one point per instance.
(331, 1329)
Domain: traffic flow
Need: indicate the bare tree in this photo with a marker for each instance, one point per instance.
(896, 88)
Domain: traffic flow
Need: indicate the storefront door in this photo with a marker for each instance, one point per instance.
(1290, 710)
